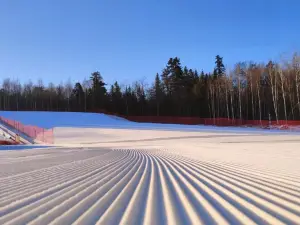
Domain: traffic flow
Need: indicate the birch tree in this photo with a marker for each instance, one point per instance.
(68, 91)
(238, 74)
(231, 92)
(225, 82)
(211, 95)
(7, 92)
(283, 83)
(296, 68)
(249, 75)
(86, 85)
(272, 75)
(16, 92)
(257, 78)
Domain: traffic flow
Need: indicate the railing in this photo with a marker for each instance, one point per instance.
(34, 132)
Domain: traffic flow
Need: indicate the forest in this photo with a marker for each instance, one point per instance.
(252, 91)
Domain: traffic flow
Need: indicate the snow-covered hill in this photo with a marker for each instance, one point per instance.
(98, 120)
(62, 119)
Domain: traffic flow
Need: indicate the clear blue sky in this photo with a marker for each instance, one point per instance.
(130, 39)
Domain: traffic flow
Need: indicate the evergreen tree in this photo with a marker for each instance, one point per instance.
(98, 91)
(219, 68)
(78, 96)
(156, 93)
(130, 101)
(116, 98)
(172, 75)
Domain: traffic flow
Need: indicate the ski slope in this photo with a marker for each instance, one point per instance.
(164, 175)
(141, 186)
(63, 119)
(98, 120)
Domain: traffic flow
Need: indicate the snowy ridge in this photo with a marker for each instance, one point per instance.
(140, 186)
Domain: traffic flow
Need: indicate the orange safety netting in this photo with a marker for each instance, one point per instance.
(225, 122)
(34, 132)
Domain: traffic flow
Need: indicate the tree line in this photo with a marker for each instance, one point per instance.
(253, 91)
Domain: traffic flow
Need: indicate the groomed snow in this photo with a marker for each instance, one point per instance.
(104, 175)
(62, 119)
(98, 120)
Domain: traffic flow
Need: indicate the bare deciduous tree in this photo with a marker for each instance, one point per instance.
(283, 84)
(273, 79)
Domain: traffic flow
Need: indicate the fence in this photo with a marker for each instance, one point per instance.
(281, 124)
(239, 122)
(6, 142)
(34, 132)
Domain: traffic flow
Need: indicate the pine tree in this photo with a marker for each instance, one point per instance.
(97, 81)
(219, 68)
(78, 96)
(116, 98)
(157, 93)
(98, 91)
(172, 75)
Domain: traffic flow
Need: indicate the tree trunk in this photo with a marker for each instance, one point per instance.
(85, 101)
(252, 96)
(274, 91)
(212, 99)
(226, 96)
(240, 98)
(259, 100)
(283, 92)
(231, 99)
(297, 89)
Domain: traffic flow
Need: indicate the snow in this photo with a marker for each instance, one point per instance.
(160, 174)
(2, 137)
(61, 119)
(98, 120)
(21, 147)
